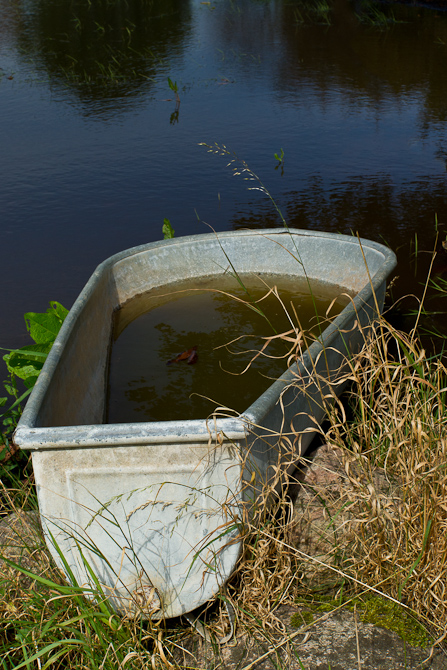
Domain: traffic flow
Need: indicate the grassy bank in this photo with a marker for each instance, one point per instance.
(384, 534)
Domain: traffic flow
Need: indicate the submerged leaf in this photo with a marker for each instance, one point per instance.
(189, 355)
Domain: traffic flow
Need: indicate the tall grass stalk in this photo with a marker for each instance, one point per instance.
(240, 167)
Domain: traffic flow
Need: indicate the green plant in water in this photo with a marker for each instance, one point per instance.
(280, 159)
(167, 230)
(174, 88)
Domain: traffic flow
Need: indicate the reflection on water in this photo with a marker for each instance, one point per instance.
(104, 50)
(95, 152)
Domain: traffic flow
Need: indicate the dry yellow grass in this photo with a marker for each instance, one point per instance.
(395, 449)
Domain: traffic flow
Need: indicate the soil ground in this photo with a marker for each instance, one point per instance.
(338, 642)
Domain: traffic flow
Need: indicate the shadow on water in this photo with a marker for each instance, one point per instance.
(375, 207)
(374, 64)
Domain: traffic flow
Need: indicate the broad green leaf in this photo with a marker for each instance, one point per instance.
(23, 369)
(30, 352)
(42, 327)
(27, 361)
(28, 373)
(60, 311)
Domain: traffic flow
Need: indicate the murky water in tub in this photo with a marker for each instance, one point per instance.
(182, 350)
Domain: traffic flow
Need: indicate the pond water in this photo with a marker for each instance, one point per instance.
(232, 330)
(96, 152)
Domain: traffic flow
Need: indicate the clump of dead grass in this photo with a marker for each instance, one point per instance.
(375, 523)
(392, 430)
(377, 518)
(268, 571)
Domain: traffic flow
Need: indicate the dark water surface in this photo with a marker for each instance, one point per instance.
(93, 156)
(203, 336)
